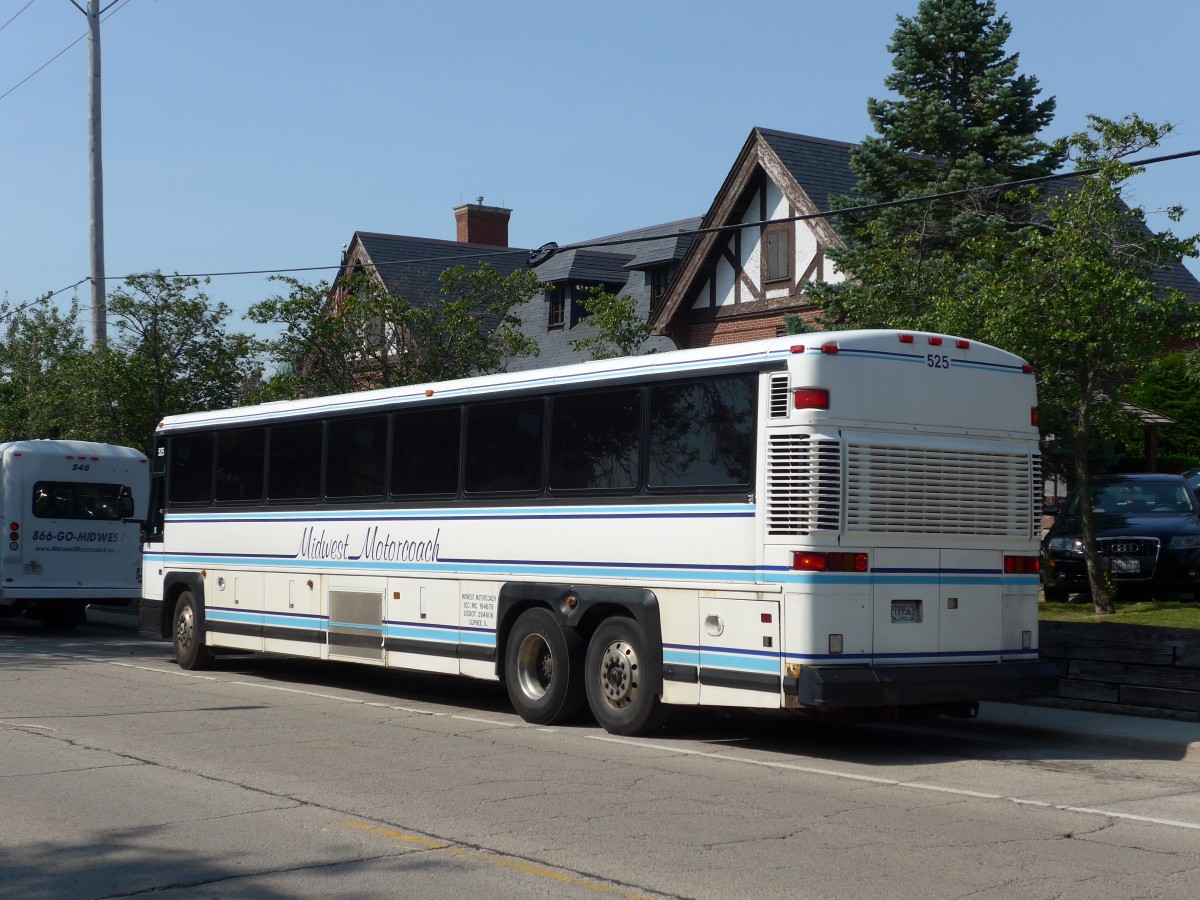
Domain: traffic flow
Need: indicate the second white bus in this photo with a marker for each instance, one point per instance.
(73, 513)
(843, 521)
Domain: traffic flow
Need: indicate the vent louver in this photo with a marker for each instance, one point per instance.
(939, 491)
(780, 407)
(804, 484)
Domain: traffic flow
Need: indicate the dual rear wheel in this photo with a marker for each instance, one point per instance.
(550, 677)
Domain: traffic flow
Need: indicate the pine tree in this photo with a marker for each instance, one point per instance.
(964, 118)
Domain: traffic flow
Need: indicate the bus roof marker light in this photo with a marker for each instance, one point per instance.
(962, 345)
(429, 392)
(797, 348)
(830, 348)
(906, 338)
(935, 341)
(1027, 369)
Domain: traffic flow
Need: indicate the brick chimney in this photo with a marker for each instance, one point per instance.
(479, 224)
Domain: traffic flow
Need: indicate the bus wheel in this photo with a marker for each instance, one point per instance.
(190, 651)
(614, 671)
(542, 669)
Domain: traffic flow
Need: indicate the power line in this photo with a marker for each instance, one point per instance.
(551, 250)
(19, 11)
(60, 52)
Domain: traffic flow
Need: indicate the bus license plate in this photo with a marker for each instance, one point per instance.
(1126, 566)
(906, 610)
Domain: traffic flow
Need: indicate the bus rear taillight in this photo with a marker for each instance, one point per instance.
(812, 398)
(1022, 565)
(14, 535)
(814, 561)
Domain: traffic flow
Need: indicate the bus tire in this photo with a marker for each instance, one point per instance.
(188, 634)
(618, 698)
(543, 669)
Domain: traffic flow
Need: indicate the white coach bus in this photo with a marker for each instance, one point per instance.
(845, 521)
(73, 512)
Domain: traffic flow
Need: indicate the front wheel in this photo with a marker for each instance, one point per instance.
(542, 669)
(615, 676)
(190, 651)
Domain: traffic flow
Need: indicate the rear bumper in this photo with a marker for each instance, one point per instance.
(852, 686)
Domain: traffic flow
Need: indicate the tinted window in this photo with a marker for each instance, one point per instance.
(425, 452)
(702, 433)
(356, 457)
(80, 500)
(595, 440)
(190, 464)
(504, 446)
(294, 467)
(240, 464)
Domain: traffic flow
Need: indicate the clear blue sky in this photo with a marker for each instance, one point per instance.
(261, 134)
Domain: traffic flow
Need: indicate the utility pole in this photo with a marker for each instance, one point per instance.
(99, 300)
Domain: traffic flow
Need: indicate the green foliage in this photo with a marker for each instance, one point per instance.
(793, 324)
(619, 330)
(45, 381)
(357, 335)
(1169, 385)
(1078, 299)
(170, 352)
(964, 118)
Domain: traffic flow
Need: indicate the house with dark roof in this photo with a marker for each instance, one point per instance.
(639, 263)
(729, 276)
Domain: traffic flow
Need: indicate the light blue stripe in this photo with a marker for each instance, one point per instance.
(737, 661)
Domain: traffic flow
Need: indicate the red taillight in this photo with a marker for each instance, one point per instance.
(961, 344)
(906, 338)
(1022, 565)
(812, 398)
(1027, 369)
(1033, 415)
(936, 341)
(830, 348)
(812, 561)
(797, 348)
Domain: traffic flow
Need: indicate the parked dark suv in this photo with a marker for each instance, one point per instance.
(1147, 532)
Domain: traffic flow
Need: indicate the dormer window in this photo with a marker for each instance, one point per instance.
(556, 298)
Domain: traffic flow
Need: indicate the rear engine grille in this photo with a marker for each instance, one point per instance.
(940, 491)
(804, 484)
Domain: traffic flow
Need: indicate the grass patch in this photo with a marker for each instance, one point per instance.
(1164, 613)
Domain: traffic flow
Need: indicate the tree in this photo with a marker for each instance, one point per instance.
(618, 328)
(45, 388)
(1079, 300)
(356, 334)
(1171, 385)
(171, 353)
(964, 118)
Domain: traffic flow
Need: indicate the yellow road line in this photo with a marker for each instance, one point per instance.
(495, 859)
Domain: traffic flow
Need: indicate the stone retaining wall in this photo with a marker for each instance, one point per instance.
(1129, 669)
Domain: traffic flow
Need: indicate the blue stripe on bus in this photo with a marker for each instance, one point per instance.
(500, 568)
(701, 511)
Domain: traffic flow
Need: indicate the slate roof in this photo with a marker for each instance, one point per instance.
(821, 167)
(410, 268)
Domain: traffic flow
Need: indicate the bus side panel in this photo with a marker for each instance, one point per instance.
(233, 609)
(421, 630)
(291, 615)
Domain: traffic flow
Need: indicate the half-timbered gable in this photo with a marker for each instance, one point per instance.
(736, 285)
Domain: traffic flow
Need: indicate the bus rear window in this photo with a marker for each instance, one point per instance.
(79, 500)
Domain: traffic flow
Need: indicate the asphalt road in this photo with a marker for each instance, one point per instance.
(122, 775)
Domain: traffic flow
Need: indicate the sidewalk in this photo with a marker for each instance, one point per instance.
(1156, 738)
